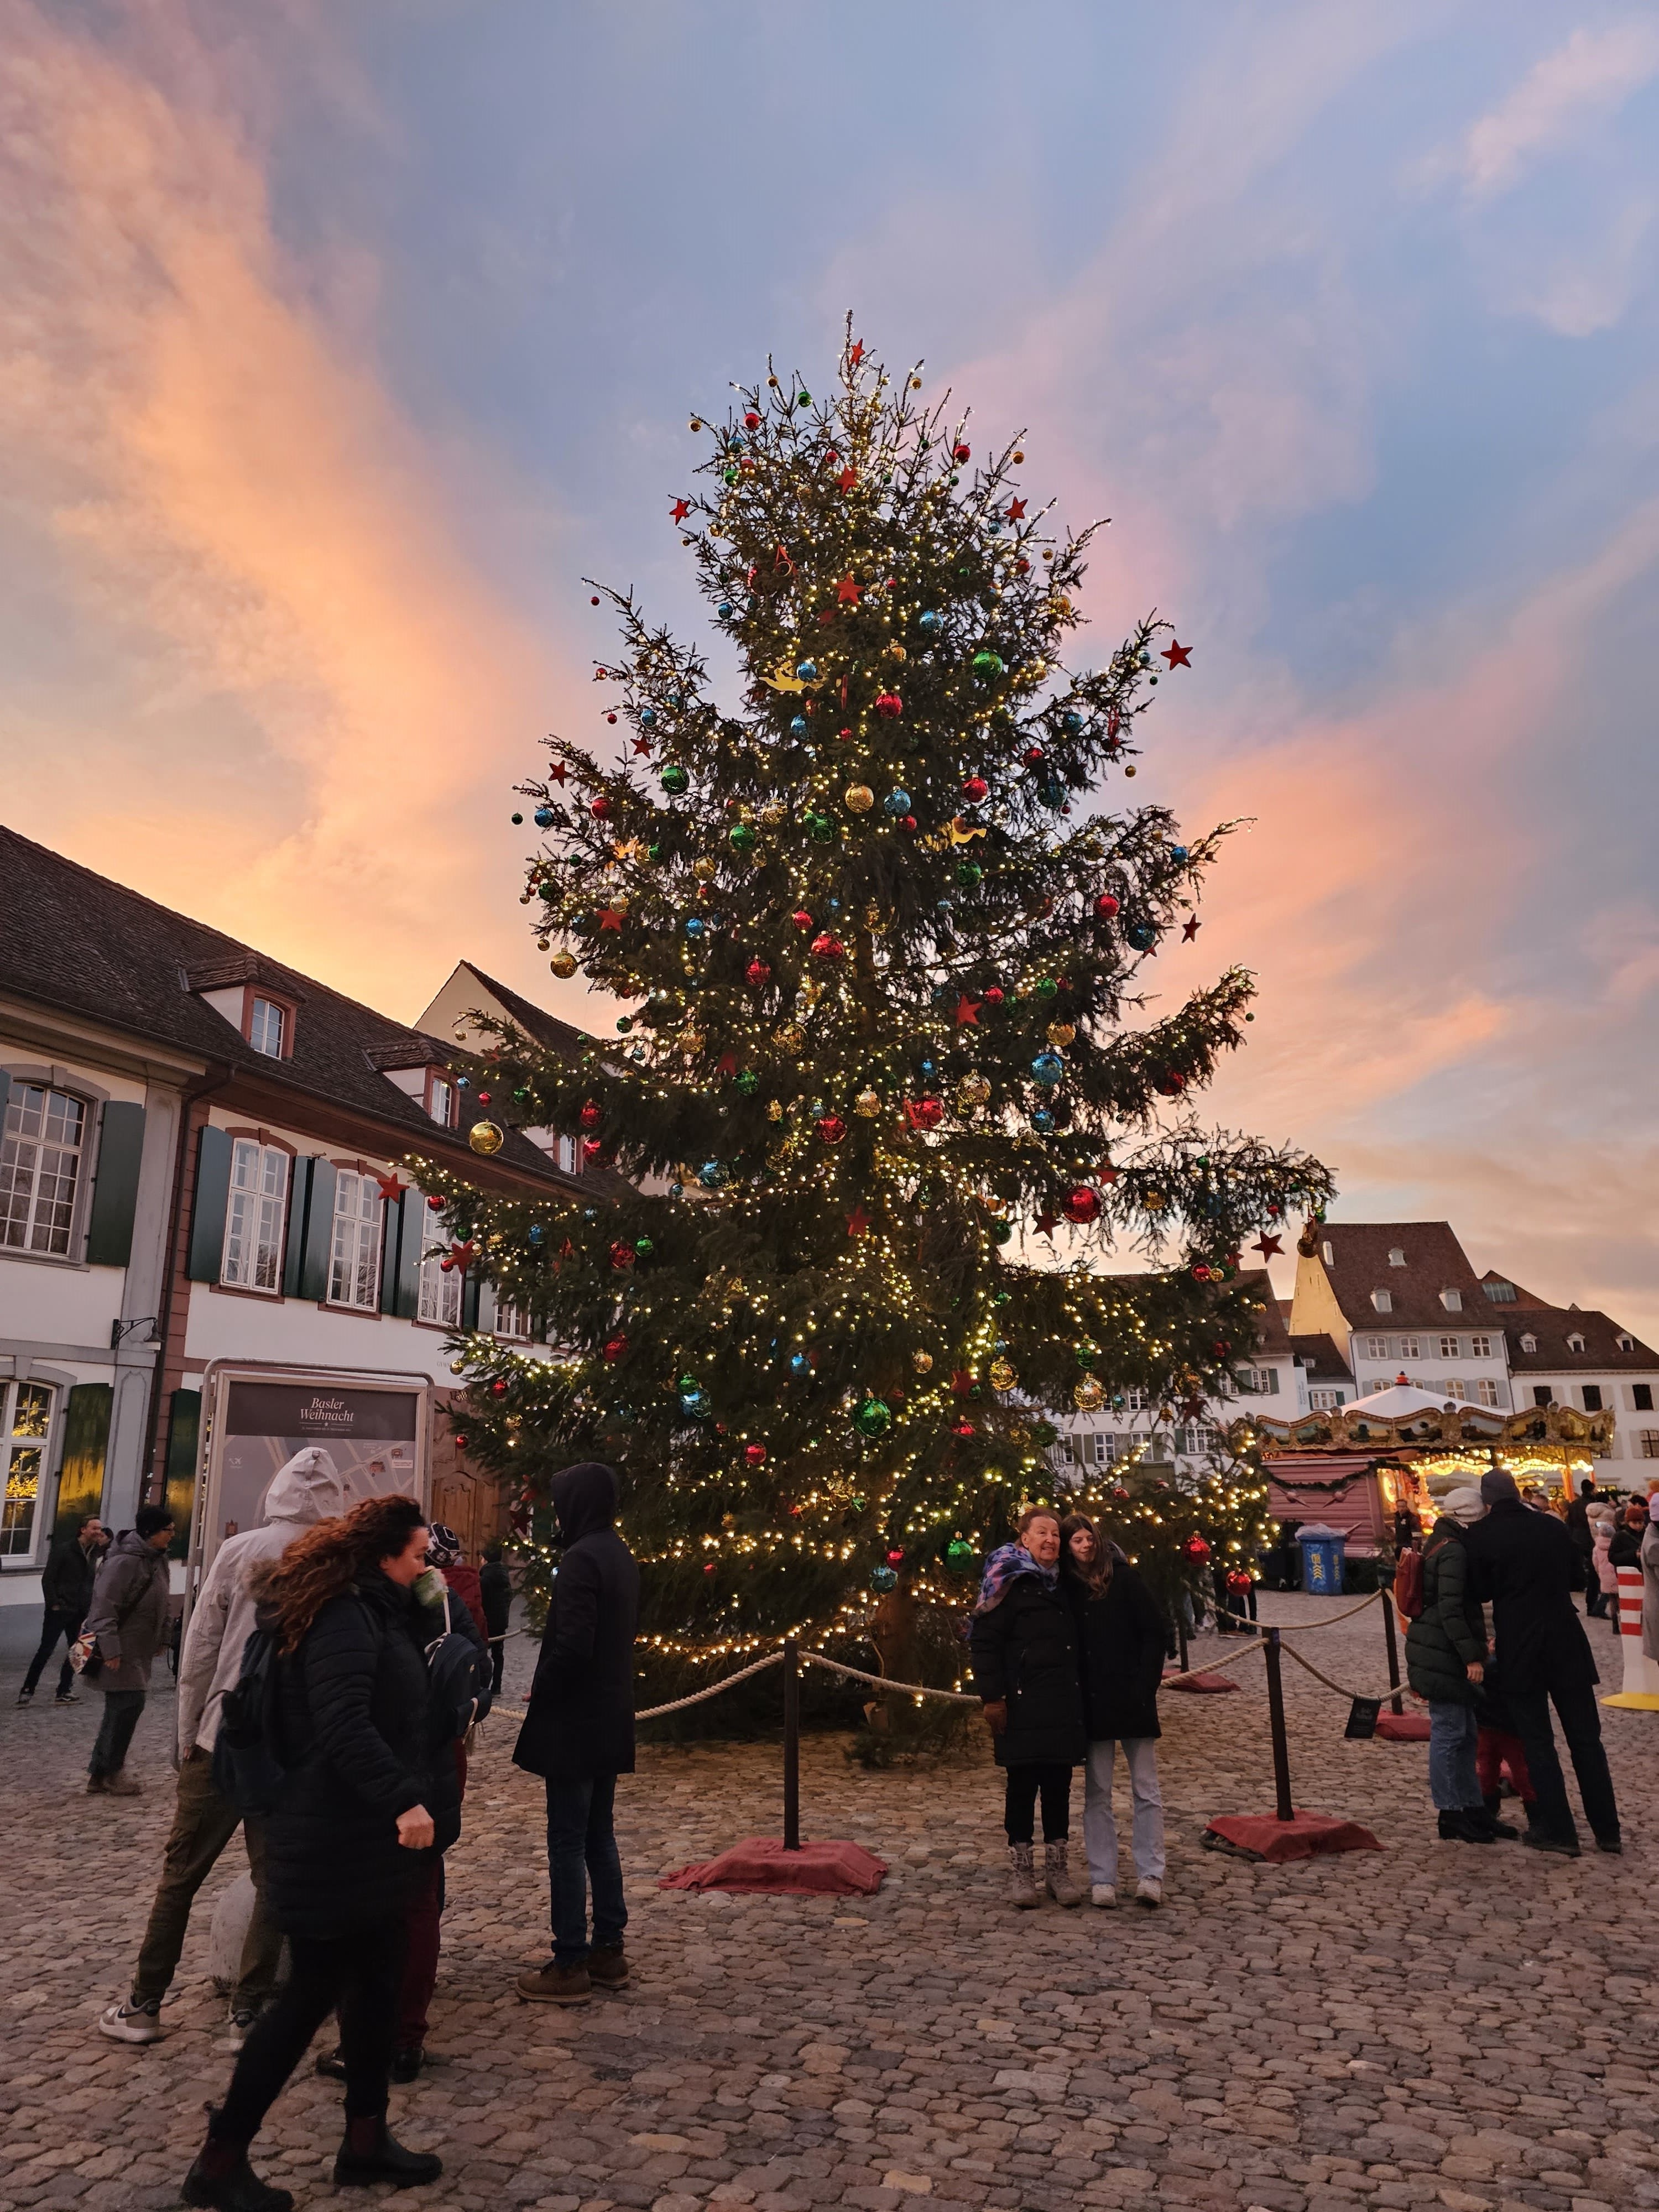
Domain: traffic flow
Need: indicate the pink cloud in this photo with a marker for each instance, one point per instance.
(1591, 77)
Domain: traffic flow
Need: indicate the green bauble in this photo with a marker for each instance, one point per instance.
(969, 871)
(743, 837)
(873, 1417)
(959, 1555)
(1046, 986)
(674, 778)
(820, 827)
(748, 1081)
(644, 1247)
(986, 663)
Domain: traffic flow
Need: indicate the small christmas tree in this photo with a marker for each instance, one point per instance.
(886, 1036)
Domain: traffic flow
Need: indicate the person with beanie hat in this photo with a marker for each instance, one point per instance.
(1445, 1661)
(1525, 1562)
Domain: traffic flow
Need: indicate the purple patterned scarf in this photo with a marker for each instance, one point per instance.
(1006, 1565)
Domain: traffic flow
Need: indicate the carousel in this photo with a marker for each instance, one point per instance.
(1355, 1468)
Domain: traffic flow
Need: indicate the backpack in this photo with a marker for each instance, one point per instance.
(1408, 1585)
(460, 1681)
(249, 1768)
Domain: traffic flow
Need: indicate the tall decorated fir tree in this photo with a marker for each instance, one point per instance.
(882, 954)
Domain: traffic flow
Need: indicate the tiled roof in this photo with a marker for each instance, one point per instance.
(1522, 1297)
(74, 940)
(1321, 1359)
(543, 1028)
(1272, 1336)
(1434, 1261)
(1549, 1327)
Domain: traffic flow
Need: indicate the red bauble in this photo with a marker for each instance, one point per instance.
(825, 947)
(994, 996)
(708, 1567)
(751, 421)
(896, 1559)
(592, 1114)
(758, 973)
(889, 703)
(1171, 1084)
(1106, 905)
(802, 920)
(592, 1147)
(1081, 1205)
(962, 453)
(1237, 1580)
(832, 1128)
(1034, 756)
(445, 1267)
(600, 807)
(1200, 1273)
(615, 1347)
(962, 1429)
(1195, 1549)
(622, 1255)
(460, 1443)
(756, 1456)
(435, 1204)
(974, 789)
(924, 1113)
(908, 822)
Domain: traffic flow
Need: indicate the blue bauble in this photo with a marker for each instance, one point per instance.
(543, 818)
(1177, 853)
(676, 1190)
(589, 1213)
(711, 1175)
(834, 906)
(797, 726)
(724, 611)
(1141, 935)
(695, 1403)
(929, 1067)
(1048, 1068)
(897, 803)
(945, 906)
(536, 1232)
(806, 670)
(933, 619)
(1074, 720)
(695, 925)
(884, 1578)
(647, 714)
(799, 1365)
(1042, 1120)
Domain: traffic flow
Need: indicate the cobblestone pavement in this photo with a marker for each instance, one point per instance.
(1434, 2024)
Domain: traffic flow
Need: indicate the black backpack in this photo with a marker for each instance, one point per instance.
(248, 1764)
(458, 1677)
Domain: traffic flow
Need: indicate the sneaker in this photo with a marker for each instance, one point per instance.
(237, 2033)
(133, 2023)
(121, 1784)
(62, 1697)
(26, 1697)
(556, 1984)
(1564, 1847)
(1148, 1892)
(1103, 1894)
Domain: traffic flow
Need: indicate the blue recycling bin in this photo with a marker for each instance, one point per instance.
(1323, 1550)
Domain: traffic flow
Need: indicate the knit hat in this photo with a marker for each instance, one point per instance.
(443, 1546)
(1498, 1487)
(1464, 1506)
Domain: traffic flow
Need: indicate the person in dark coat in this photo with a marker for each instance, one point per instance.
(369, 1794)
(1446, 1659)
(66, 1581)
(1625, 1549)
(1121, 1637)
(1525, 1564)
(578, 1734)
(495, 1586)
(1024, 1643)
(131, 1617)
(1583, 1542)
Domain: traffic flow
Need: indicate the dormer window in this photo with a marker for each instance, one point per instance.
(1452, 1301)
(440, 1098)
(1529, 1344)
(1501, 1294)
(1384, 1301)
(1625, 1343)
(1396, 1258)
(1575, 1342)
(267, 1027)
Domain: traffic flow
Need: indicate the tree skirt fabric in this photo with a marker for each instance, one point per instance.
(1403, 1728)
(1204, 1686)
(1264, 1836)
(760, 1866)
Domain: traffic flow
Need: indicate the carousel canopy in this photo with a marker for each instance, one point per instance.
(1398, 1402)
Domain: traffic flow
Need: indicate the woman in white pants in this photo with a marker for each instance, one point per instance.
(1121, 1643)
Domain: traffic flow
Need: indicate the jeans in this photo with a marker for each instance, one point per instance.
(55, 1624)
(581, 1853)
(1580, 1724)
(1099, 1826)
(121, 1711)
(204, 1822)
(1453, 1733)
(359, 1973)
(1019, 1798)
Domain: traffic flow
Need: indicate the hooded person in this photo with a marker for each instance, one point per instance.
(578, 1734)
(304, 1491)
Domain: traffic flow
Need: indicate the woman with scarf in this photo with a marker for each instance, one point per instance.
(1120, 1637)
(1025, 1649)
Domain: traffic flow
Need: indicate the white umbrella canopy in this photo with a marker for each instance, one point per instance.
(1398, 1402)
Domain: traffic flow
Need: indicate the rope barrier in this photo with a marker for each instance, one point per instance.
(882, 1682)
(1392, 1690)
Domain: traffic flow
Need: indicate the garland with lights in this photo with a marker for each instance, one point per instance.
(886, 1026)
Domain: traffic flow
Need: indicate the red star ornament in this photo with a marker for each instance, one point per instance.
(968, 1012)
(848, 478)
(1047, 1224)
(1189, 928)
(1178, 656)
(856, 354)
(1015, 510)
(641, 744)
(858, 1223)
(390, 1190)
(556, 772)
(1269, 1247)
(462, 1256)
(1192, 1409)
(610, 919)
(682, 508)
(846, 591)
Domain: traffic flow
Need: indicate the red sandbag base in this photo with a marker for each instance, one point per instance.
(1263, 1836)
(1204, 1684)
(762, 1867)
(1403, 1728)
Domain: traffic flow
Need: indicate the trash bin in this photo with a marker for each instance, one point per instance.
(1322, 1558)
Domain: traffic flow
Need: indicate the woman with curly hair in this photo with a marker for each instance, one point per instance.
(369, 1794)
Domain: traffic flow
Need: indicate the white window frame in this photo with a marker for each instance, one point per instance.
(569, 1155)
(45, 1225)
(1376, 1347)
(1488, 1390)
(1480, 1348)
(1456, 1389)
(257, 1029)
(437, 1289)
(1649, 1441)
(17, 1448)
(1576, 1345)
(1530, 1344)
(1323, 1398)
(258, 1200)
(441, 1098)
(1396, 1257)
(354, 1264)
(1411, 1347)
(509, 1322)
(1448, 1347)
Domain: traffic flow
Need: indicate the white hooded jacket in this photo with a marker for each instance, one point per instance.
(305, 1489)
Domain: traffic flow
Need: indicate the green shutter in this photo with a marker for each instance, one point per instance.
(115, 1192)
(416, 1236)
(392, 1229)
(319, 1233)
(293, 1245)
(207, 1212)
(86, 1441)
(5, 1095)
(470, 1290)
(184, 1443)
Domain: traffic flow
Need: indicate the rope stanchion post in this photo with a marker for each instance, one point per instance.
(1284, 1809)
(1180, 1638)
(1398, 1702)
(791, 1744)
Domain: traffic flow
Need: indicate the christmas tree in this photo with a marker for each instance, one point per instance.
(883, 955)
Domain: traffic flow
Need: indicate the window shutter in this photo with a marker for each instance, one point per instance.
(115, 1192)
(207, 1212)
(293, 1244)
(86, 1441)
(184, 1441)
(320, 1232)
(393, 1219)
(406, 1296)
(5, 1095)
(469, 1291)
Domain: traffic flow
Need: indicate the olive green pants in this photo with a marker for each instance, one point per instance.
(204, 1822)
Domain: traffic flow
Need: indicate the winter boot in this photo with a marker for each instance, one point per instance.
(556, 1984)
(1461, 1828)
(221, 2177)
(1056, 1876)
(607, 1966)
(1022, 1878)
(370, 2152)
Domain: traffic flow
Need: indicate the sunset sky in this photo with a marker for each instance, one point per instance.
(341, 340)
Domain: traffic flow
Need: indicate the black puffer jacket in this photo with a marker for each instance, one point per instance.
(360, 1746)
(580, 1720)
(1025, 1650)
(1449, 1635)
(1121, 1637)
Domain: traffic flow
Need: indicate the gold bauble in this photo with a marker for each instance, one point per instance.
(791, 1038)
(1088, 1397)
(703, 871)
(1154, 1201)
(922, 1361)
(1060, 1034)
(868, 1103)
(772, 813)
(541, 944)
(972, 1091)
(563, 963)
(1002, 1377)
(774, 1109)
(860, 798)
(692, 1040)
(485, 1137)
(895, 651)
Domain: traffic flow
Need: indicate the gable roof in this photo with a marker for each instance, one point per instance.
(1434, 1261)
(76, 941)
(1322, 1359)
(1523, 1297)
(1549, 1327)
(541, 1027)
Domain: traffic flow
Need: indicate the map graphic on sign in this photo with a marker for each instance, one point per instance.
(371, 1435)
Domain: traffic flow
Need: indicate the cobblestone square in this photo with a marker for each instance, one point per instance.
(1433, 2024)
